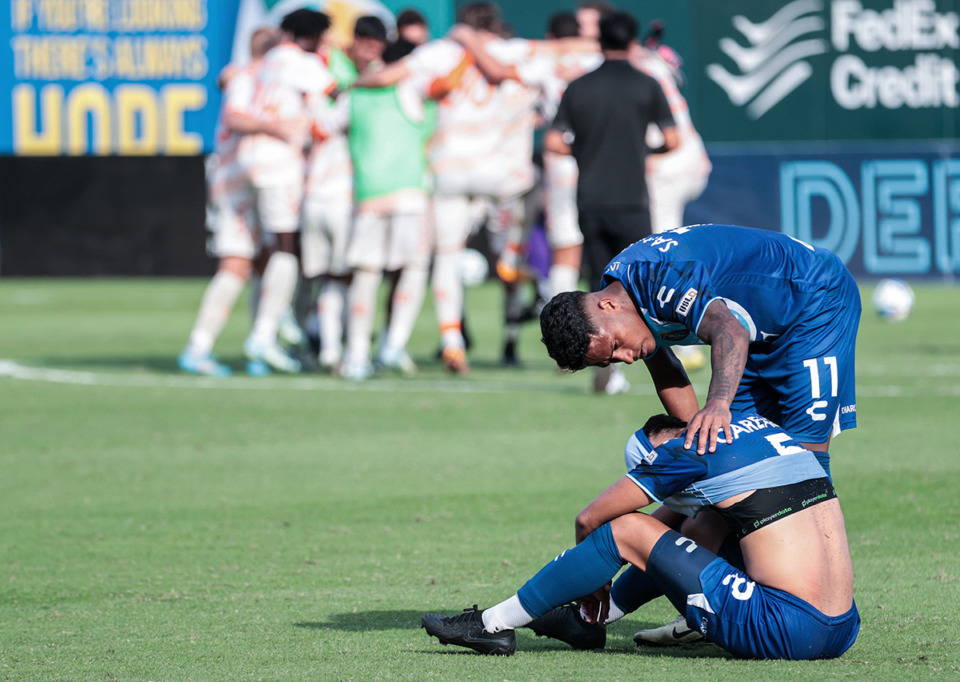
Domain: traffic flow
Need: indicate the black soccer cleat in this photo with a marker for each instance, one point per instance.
(566, 624)
(467, 630)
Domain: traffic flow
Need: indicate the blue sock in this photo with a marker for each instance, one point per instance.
(633, 589)
(575, 573)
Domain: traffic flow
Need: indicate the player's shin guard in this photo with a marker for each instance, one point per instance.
(574, 573)
(277, 287)
(330, 309)
(448, 296)
(407, 301)
(218, 301)
(362, 300)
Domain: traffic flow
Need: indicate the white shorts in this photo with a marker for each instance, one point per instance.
(324, 236)
(234, 230)
(231, 216)
(279, 207)
(389, 242)
(560, 176)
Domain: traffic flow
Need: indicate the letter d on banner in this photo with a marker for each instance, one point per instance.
(803, 181)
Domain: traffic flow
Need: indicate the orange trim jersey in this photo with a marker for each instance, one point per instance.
(288, 81)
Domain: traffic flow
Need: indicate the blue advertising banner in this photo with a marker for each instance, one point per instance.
(104, 77)
(886, 210)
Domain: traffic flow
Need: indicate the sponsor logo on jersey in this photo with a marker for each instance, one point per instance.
(847, 409)
(773, 56)
(686, 301)
(675, 335)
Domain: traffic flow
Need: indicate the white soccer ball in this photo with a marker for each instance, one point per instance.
(474, 268)
(893, 299)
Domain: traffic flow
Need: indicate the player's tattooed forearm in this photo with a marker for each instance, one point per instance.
(729, 347)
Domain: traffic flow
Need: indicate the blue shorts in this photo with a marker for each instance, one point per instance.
(746, 619)
(804, 380)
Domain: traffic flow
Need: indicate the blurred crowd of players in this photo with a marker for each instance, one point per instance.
(337, 166)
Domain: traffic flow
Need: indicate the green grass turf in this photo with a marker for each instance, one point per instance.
(155, 526)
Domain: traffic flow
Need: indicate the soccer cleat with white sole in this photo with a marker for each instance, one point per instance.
(467, 630)
(205, 364)
(270, 355)
(671, 634)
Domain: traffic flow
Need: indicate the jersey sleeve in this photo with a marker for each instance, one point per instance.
(328, 118)
(314, 78)
(679, 291)
(238, 93)
(660, 472)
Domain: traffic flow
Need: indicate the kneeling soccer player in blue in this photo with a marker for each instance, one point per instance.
(792, 600)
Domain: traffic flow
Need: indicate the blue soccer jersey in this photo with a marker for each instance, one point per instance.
(799, 304)
(768, 280)
(687, 482)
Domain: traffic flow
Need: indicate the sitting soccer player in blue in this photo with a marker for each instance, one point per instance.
(792, 599)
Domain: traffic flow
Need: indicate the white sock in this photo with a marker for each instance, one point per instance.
(507, 615)
(407, 301)
(277, 287)
(448, 296)
(330, 308)
(563, 278)
(362, 299)
(218, 300)
(616, 613)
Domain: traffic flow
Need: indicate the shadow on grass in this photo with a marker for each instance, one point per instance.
(619, 639)
(367, 621)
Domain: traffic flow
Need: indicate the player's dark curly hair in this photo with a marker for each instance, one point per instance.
(566, 330)
(305, 23)
(659, 423)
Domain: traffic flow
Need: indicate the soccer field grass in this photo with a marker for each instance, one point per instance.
(158, 526)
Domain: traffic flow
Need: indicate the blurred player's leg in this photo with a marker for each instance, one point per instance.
(232, 241)
(451, 226)
(409, 251)
(362, 300)
(331, 308)
(278, 207)
(325, 233)
(563, 230)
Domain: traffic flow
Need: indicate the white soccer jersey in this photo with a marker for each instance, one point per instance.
(467, 151)
(288, 81)
(518, 101)
(691, 149)
(679, 176)
(231, 218)
(237, 98)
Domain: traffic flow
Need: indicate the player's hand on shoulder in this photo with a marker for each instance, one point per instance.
(706, 425)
